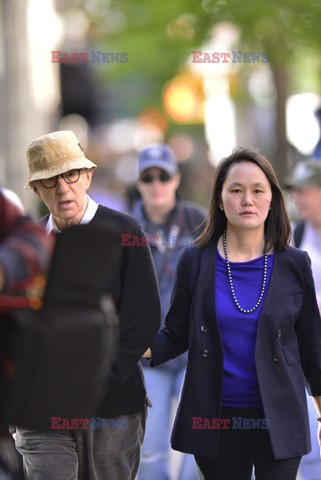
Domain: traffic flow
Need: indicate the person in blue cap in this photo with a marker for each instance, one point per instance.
(170, 224)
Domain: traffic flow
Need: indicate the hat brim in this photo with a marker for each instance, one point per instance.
(170, 169)
(58, 168)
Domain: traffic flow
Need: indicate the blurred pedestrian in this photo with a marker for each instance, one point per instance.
(60, 174)
(305, 187)
(244, 307)
(24, 255)
(170, 224)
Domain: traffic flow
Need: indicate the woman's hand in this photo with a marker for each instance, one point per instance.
(148, 353)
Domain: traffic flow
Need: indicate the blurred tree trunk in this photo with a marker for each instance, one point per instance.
(281, 79)
(16, 115)
(21, 117)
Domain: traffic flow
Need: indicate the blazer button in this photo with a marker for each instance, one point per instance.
(279, 333)
(204, 353)
(276, 357)
(203, 328)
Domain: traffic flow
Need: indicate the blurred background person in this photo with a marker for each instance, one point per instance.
(24, 254)
(170, 224)
(305, 188)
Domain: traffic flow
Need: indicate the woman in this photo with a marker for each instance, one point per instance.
(244, 306)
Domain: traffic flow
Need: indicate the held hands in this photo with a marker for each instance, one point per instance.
(148, 354)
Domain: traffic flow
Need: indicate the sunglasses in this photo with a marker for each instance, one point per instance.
(163, 178)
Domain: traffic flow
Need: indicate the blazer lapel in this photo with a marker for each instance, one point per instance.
(272, 292)
(206, 289)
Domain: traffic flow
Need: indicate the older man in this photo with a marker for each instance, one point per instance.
(60, 175)
(25, 252)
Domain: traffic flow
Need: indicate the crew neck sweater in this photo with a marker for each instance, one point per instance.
(135, 294)
(239, 330)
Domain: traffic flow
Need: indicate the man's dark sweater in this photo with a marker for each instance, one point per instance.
(135, 293)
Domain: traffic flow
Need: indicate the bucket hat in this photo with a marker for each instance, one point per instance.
(55, 153)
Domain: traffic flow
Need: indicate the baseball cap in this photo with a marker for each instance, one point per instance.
(161, 156)
(55, 153)
(305, 174)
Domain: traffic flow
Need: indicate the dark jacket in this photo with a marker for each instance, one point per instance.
(178, 230)
(288, 351)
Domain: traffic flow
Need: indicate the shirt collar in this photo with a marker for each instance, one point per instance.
(88, 216)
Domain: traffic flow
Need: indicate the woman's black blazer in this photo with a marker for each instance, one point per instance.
(287, 353)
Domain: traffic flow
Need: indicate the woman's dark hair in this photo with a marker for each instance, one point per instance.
(277, 225)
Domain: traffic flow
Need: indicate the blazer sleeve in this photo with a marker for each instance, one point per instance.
(172, 339)
(138, 311)
(308, 328)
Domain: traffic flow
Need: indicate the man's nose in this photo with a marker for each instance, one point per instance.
(62, 186)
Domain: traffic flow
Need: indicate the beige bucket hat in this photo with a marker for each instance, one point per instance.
(55, 153)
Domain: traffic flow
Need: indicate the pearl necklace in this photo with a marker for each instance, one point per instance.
(228, 266)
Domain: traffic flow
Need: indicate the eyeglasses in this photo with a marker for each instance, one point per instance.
(72, 176)
(163, 178)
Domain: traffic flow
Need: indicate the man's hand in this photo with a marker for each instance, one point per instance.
(148, 353)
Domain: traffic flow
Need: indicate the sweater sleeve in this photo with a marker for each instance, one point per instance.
(138, 311)
(172, 339)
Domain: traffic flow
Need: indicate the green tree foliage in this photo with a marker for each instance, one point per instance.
(159, 36)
